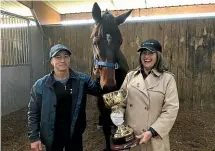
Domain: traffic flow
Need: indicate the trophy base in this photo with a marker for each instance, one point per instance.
(123, 138)
(129, 145)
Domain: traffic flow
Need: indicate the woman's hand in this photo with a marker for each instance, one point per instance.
(144, 137)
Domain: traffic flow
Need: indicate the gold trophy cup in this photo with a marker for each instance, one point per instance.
(124, 137)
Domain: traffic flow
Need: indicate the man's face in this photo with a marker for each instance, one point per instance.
(61, 61)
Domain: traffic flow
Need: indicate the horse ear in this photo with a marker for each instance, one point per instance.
(96, 12)
(121, 18)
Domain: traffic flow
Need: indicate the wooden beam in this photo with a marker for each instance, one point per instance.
(28, 4)
(178, 10)
(208, 8)
(43, 13)
(38, 24)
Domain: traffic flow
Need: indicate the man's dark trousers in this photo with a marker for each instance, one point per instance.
(69, 144)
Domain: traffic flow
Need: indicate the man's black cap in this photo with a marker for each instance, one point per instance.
(150, 44)
(56, 48)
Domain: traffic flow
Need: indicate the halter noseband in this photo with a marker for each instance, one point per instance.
(105, 64)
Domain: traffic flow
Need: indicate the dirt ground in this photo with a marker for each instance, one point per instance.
(194, 130)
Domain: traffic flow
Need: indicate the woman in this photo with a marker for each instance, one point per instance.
(152, 104)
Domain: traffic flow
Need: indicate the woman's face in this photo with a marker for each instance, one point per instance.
(148, 59)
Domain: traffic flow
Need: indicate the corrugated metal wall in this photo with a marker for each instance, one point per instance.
(20, 42)
(189, 48)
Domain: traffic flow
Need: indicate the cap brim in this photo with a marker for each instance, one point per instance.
(61, 50)
(146, 48)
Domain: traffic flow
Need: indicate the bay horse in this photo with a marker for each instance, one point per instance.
(109, 62)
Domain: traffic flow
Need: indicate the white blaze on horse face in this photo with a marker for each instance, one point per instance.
(109, 38)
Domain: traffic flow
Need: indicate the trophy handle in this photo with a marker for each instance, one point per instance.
(113, 100)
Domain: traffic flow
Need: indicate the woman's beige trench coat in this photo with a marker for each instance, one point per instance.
(152, 102)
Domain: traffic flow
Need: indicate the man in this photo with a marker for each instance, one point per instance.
(57, 116)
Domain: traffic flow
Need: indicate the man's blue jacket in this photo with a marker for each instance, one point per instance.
(42, 106)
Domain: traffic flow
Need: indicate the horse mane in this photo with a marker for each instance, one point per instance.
(96, 30)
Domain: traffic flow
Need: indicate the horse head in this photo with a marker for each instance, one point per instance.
(107, 40)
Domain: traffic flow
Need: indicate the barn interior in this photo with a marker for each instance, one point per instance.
(186, 30)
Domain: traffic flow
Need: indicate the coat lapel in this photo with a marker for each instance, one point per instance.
(139, 83)
(151, 81)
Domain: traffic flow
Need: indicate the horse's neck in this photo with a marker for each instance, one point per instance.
(122, 61)
(123, 69)
(120, 75)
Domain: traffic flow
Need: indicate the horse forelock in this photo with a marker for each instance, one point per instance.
(106, 26)
(108, 16)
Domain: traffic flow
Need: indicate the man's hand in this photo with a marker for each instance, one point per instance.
(36, 146)
(144, 137)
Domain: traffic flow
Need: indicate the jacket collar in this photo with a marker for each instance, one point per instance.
(154, 71)
(50, 80)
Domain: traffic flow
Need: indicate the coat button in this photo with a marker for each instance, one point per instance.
(131, 105)
(138, 85)
(55, 105)
(146, 108)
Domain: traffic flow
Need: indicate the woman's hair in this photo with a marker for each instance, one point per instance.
(160, 64)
